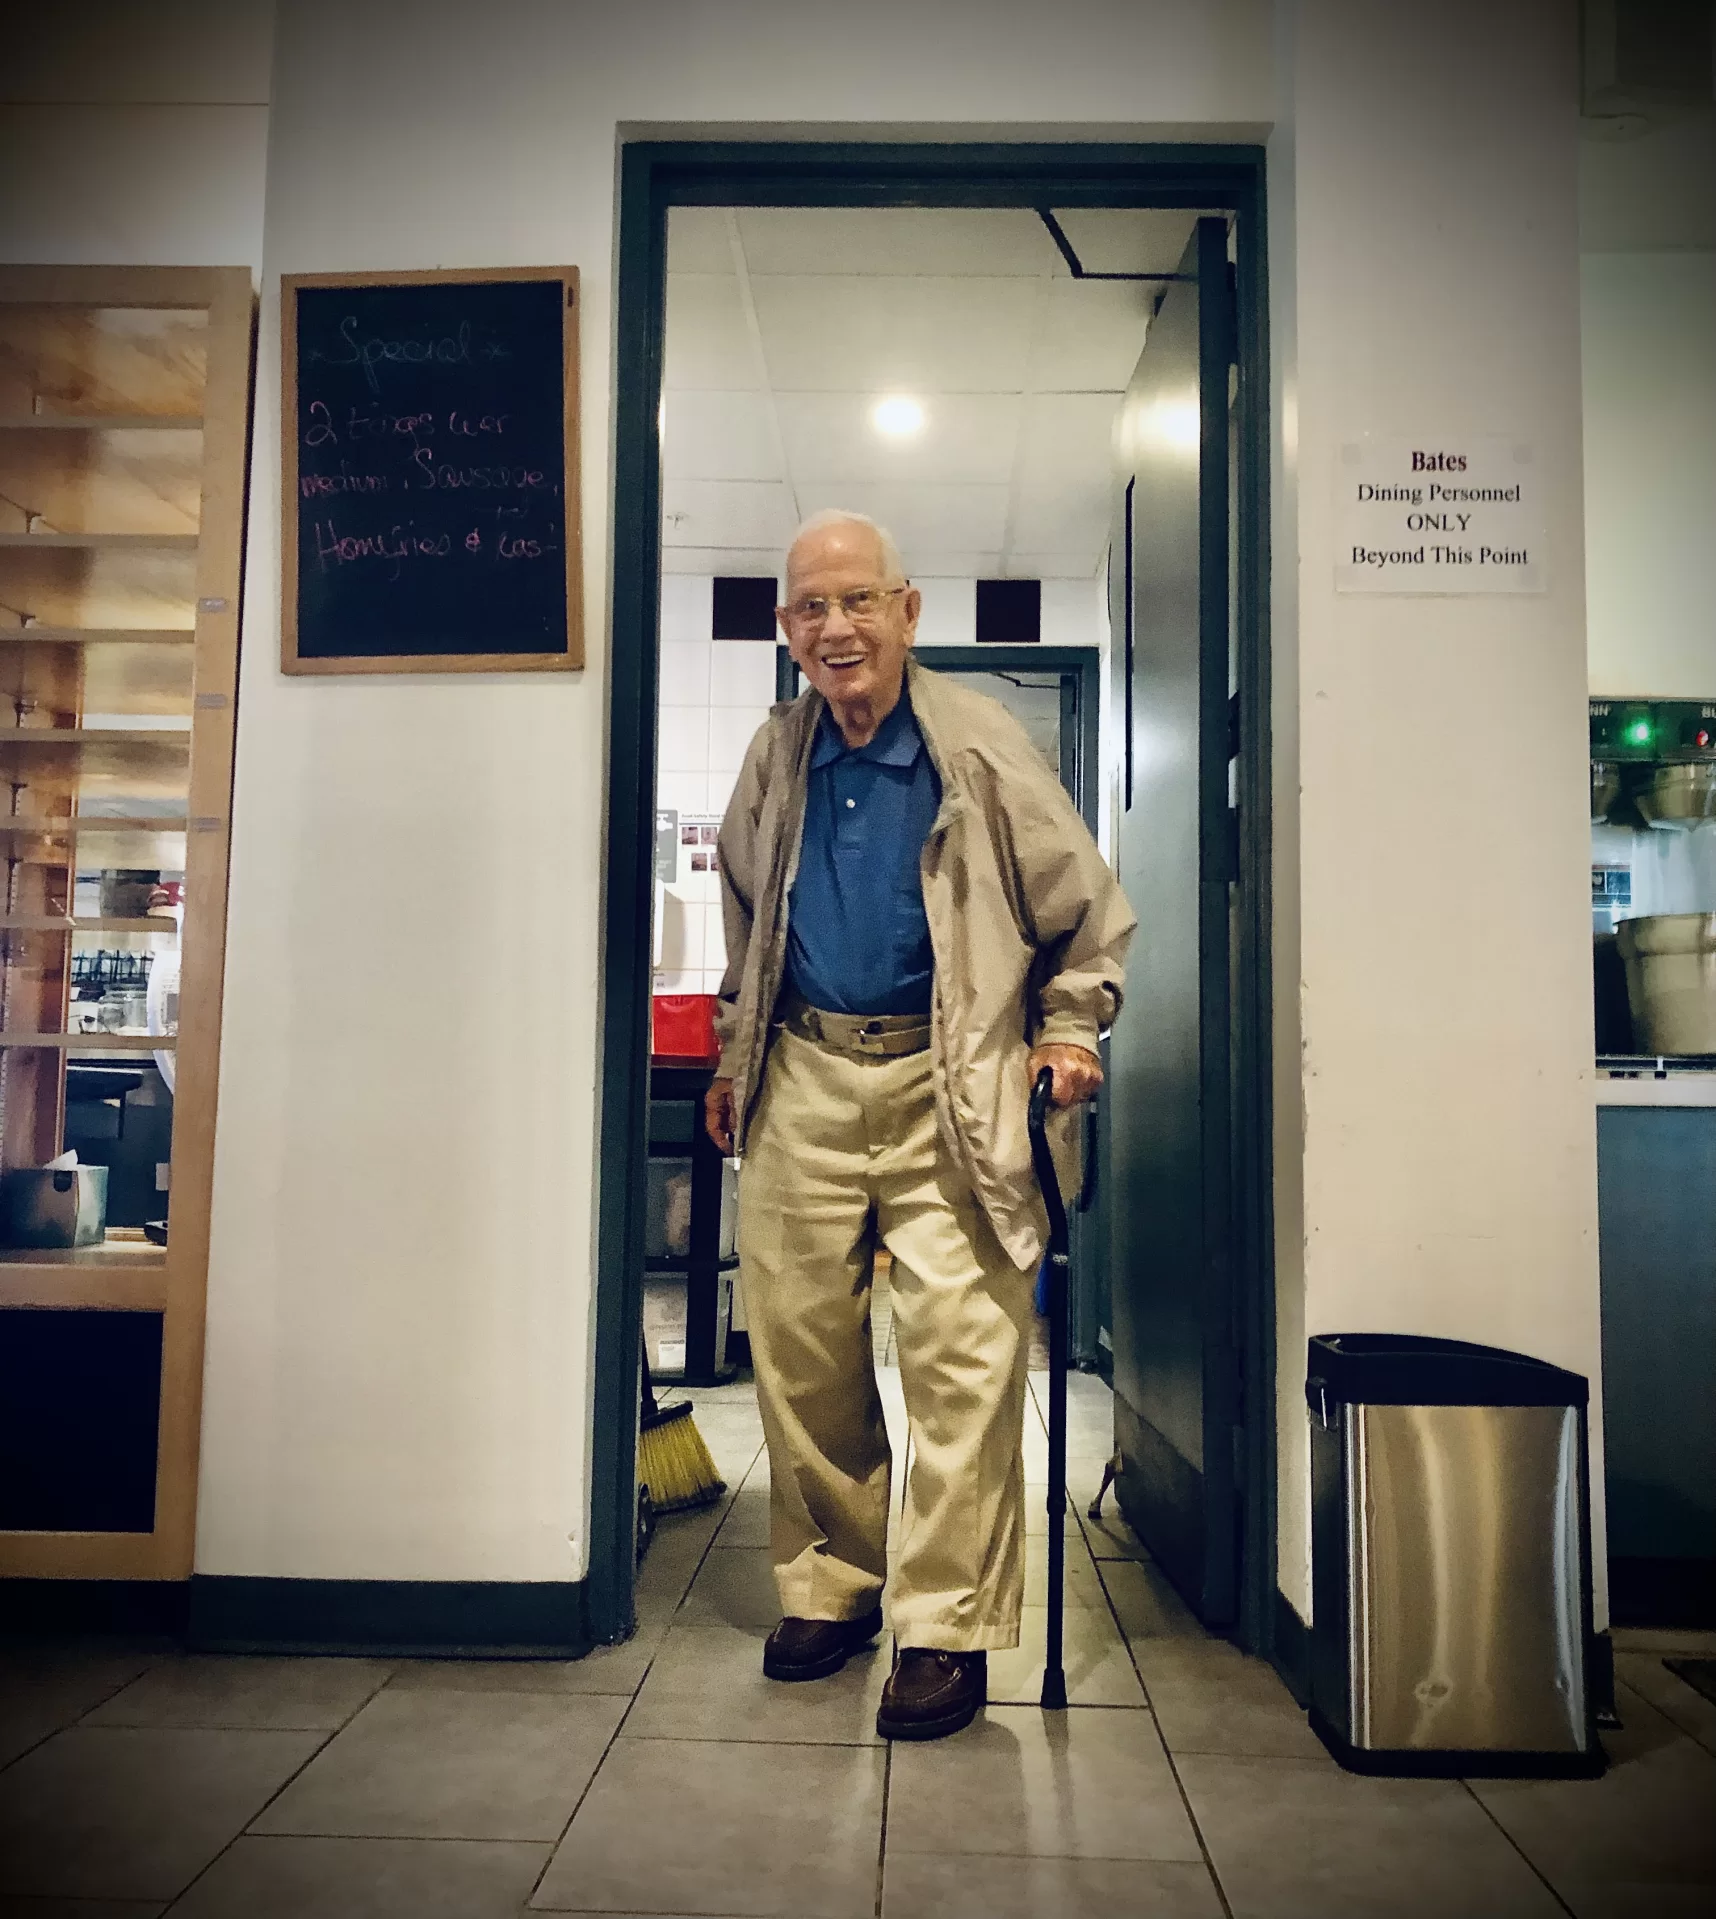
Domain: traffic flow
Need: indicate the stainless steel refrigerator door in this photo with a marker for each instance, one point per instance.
(1466, 1613)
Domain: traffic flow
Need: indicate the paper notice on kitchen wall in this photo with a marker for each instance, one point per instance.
(1441, 514)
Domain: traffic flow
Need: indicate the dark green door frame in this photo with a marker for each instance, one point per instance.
(657, 175)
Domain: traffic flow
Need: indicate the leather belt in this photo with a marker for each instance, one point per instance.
(871, 1036)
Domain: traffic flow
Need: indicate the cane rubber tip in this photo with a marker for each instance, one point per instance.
(1054, 1691)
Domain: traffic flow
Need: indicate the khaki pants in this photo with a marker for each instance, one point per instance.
(844, 1152)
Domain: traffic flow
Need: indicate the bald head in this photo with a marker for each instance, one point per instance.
(854, 538)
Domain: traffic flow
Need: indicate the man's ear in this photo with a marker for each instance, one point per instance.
(913, 607)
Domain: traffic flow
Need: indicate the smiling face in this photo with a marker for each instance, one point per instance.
(856, 665)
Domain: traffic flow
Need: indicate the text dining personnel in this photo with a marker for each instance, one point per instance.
(917, 924)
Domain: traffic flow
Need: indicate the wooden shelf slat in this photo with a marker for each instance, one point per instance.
(77, 826)
(100, 422)
(108, 923)
(94, 736)
(90, 1042)
(101, 542)
(117, 1276)
(98, 636)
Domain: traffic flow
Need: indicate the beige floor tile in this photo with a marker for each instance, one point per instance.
(1210, 1697)
(1082, 1588)
(366, 1879)
(1650, 1821)
(46, 1688)
(616, 1671)
(1098, 1667)
(676, 1827)
(707, 1683)
(1076, 1785)
(1677, 1643)
(919, 1885)
(1111, 1537)
(451, 1765)
(1296, 1841)
(282, 1695)
(1146, 1605)
(1683, 1705)
(80, 1908)
(747, 1521)
(734, 1587)
(117, 1813)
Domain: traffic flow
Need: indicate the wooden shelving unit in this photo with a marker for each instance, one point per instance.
(124, 412)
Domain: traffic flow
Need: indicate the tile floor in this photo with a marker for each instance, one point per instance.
(667, 1777)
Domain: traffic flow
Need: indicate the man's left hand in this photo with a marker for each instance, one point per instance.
(1077, 1071)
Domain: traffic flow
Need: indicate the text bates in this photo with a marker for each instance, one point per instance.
(1444, 513)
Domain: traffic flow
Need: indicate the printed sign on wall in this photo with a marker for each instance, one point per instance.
(1441, 514)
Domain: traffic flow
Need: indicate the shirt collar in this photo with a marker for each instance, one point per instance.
(897, 743)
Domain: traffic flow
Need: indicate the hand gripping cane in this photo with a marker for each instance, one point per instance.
(1055, 1271)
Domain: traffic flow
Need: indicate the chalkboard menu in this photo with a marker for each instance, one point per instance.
(430, 461)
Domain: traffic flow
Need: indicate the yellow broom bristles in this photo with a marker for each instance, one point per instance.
(676, 1466)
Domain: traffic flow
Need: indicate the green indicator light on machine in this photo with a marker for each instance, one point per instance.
(1638, 733)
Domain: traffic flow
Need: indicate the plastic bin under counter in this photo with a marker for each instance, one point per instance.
(1656, 1211)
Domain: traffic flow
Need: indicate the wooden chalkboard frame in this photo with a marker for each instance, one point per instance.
(291, 661)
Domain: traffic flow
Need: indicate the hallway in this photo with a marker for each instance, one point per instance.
(667, 1777)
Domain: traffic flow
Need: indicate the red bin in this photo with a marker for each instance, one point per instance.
(682, 1027)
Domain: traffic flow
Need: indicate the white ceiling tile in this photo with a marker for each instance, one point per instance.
(708, 560)
(1066, 474)
(830, 440)
(720, 436)
(924, 517)
(1092, 335)
(708, 338)
(952, 563)
(697, 240)
(885, 335)
(939, 241)
(1127, 240)
(726, 513)
(1052, 566)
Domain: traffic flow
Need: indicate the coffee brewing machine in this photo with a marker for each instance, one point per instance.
(1653, 883)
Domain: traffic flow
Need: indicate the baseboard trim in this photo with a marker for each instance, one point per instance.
(146, 1608)
(1291, 1649)
(450, 1619)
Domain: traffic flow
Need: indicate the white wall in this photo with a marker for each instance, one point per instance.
(136, 135)
(399, 1330)
(1649, 325)
(1435, 951)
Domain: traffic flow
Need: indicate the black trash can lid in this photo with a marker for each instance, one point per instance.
(1403, 1369)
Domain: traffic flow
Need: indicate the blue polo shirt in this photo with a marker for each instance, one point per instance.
(857, 937)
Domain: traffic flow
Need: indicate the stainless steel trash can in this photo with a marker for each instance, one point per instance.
(1451, 1559)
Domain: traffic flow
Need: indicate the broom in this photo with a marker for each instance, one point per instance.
(674, 1465)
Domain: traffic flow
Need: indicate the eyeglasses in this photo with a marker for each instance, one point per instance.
(862, 607)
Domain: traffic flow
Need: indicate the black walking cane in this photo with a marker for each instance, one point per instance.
(1055, 1266)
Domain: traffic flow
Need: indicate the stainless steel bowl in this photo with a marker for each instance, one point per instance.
(1671, 980)
(1681, 796)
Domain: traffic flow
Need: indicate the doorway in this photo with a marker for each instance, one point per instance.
(1055, 185)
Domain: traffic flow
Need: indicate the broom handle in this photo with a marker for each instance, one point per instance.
(1042, 1160)
(651, 1411)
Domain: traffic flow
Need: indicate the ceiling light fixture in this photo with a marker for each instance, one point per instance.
(898, 416)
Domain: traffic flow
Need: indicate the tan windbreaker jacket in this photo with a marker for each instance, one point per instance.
(1026, 921)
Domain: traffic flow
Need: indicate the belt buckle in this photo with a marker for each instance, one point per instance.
(869, 1038)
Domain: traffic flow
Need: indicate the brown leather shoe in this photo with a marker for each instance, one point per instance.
(932, 1693)
(814, 1648)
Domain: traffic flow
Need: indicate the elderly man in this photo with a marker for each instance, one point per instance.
(917, 924)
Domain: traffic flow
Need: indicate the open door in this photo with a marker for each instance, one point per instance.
(1171, 1201)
